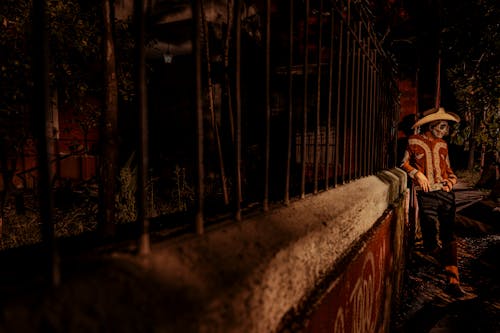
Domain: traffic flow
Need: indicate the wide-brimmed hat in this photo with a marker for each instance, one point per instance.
(441, 114)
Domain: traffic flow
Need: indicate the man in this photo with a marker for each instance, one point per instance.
(427, 163)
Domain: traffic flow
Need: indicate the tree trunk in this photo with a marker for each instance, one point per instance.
(44, 131)
(109, 156)
(144, 246)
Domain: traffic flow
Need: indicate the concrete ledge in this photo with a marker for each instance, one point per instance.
(244, 277)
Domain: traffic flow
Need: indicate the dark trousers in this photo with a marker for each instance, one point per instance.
(437, 221)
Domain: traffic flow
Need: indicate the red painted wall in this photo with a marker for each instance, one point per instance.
(69, 161)
(360, 299)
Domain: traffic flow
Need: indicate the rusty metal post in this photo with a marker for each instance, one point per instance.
(375, 114)
(41, 108)
(385, 114)
(290, 107)
(369, 78)
(268, 105)
(367, 104)
(237, 26)
(337, 121)
(305, 104)
(144, 246)
(330, 99)
(357, 132)
(352, 108)
(211, 106)
(346, 95)
(318, 102)
(363, 123)
(200, 186)
(437, 102)
(371, 117)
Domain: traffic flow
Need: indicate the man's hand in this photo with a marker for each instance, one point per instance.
(422, 181)
(447, 185)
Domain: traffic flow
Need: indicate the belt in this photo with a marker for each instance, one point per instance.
(432, 187)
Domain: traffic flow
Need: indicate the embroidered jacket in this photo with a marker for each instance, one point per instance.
(428, 155)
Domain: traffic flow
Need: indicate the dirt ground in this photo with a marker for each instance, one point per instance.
(425, 305)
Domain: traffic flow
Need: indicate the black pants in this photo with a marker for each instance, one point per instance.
(437, 221)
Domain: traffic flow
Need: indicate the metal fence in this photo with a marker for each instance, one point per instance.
(312, 105)
(269, 105)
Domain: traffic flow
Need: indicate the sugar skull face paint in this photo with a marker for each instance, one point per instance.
(439, 128)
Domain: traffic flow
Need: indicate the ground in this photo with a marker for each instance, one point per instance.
(425, 305)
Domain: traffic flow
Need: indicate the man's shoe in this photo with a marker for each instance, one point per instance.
(455, 290)
(433, 255)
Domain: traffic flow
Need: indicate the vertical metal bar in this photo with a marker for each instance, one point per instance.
(374, 106)
(352, 108)
(211, 103)
(237, 18)
(395, 121)
(144, 246)
(364, 128)
(368, 123)
(41, 108)
(367, 105)
(370, 113)
(438, 82)
(290, 107)
(385, 117)
(227, 79)
(374, 113)
(346, 95)
(387, 124)
(385, 112)
(382, 119)
(330, 100)
(304, 125)
(318, 101)
(200, 186)
(268, 105)
(108, 163)
(337, 121)
(357, 117)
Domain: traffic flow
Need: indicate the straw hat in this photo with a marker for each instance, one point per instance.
(441, 114)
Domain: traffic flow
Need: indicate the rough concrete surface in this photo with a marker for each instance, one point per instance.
(238, 277)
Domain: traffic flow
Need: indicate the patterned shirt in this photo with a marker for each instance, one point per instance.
(428, 155)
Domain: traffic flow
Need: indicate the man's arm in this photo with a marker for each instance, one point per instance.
(418, 177)
(452, 178)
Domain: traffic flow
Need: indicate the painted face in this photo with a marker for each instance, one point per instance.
(439, 128)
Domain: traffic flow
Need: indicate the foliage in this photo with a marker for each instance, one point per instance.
(182, 194)
(472, 50)
(177, 196)
(15, 56)
(124, 59)
(15, 70)
(75, 44)
(126, 207)
(24, 229)
(75, 33)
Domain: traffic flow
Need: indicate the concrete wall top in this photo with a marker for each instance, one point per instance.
(244, 277)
